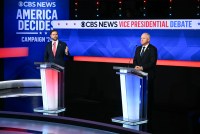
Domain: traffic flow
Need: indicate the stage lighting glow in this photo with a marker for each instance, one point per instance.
(76, 8)
(20, 83)
(97, 8)
(14, 52)
(170, 8)
(120, 8)
(127, 60)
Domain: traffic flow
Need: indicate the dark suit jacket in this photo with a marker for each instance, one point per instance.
(60, 53)
(147, 60)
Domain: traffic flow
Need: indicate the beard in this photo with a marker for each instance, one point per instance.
(54, 39)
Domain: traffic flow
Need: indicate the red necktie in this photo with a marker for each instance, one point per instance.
(54, 49)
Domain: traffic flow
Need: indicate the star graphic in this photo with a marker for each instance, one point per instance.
(78, 44)
(92, 43)
(182, 50)
(108, 48)
(124, 46)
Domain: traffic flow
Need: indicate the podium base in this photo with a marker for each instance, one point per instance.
(42, 110)
(128, 121)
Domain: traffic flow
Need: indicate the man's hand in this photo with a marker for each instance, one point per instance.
(139, 68)
(66, 50)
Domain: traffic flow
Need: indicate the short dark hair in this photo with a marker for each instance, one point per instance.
(53, 31)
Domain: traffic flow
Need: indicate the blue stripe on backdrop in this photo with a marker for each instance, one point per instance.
(171, 44)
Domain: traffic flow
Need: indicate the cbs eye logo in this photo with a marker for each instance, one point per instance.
(26, 4)
(89, 24)
(82, 24)
(20, 4)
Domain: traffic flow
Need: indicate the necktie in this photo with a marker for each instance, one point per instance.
(142, 52)
(54, 49)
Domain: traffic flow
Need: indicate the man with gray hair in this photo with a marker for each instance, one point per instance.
(145, 60)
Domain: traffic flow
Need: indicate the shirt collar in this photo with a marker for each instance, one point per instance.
(55, 41)
(146, 46)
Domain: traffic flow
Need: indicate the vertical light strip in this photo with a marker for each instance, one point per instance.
(52, 89)
(133, 96)
(123, 93)
(55, 89)
(44, 87)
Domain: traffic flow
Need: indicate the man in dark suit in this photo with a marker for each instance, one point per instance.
(145, 60)
(56, 50)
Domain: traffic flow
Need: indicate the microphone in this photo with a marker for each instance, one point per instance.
(133, 52)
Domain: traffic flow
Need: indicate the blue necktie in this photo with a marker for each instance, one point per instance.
(142, 52)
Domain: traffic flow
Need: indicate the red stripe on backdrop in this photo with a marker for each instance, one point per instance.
(13, 52)
(130, 61)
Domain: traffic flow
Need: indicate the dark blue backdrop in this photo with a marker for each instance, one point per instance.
(171, 44)
(21, 15)
(20, 31)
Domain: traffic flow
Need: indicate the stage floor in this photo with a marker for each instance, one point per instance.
(22, 126)
(165, 120)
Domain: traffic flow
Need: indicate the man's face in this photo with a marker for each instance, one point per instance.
(144, 39)
(54, 35)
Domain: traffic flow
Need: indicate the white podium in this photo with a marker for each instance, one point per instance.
(52, 81)
(134, 96)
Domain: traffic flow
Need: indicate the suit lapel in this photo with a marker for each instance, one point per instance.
(50, 48)
(139, 53)
(58, 47)
(146, 51)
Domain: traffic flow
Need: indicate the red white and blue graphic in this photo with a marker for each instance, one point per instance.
(28, 22)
